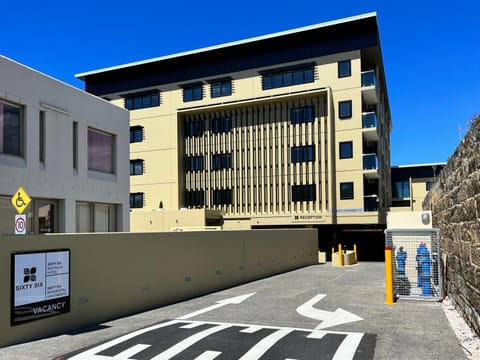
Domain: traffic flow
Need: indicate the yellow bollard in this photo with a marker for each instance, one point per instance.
(340, 255)
(355, 252)
(388, 276)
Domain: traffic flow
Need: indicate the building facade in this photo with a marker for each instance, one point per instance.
(67, 149)
(287, 129)
(411, 183)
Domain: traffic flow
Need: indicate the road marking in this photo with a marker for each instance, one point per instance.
(328, 318)
(127, 354)
(184, 344)
(91, 354)
(235, 300)
(348, 347)
(208, 355)
(265, 344)
(345, 349)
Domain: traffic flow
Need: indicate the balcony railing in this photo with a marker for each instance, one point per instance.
(369, 78)
(369, 120)
(370, 203)
(370, 162)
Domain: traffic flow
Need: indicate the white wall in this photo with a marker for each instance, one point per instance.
(56, 178)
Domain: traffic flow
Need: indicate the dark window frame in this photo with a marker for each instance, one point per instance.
(300, 154)
(192, 92)
(194, 128)
(345, 149)
(341, 109)
(302, 114)
(137, 199)
(194, 163)
(221, 125)
(136, 134)
(288, 76)
(134, 170)
(222, 197)
(347, 193)
(142, 100)
(221, 87)
(344, 68)
(301, 193)
(222, 161)
(194, 198)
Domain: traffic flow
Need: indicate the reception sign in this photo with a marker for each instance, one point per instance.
(40, 285)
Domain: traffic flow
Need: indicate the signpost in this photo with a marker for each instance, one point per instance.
(20, 201)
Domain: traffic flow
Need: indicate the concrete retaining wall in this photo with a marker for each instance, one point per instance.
(117, 274)
(455, 204)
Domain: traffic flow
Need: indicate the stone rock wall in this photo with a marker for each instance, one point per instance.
(455, 204)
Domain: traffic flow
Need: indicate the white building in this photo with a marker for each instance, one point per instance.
(67, 149)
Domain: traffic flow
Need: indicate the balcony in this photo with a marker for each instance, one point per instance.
(370, 126)
(370, 203)
(370, 166)
(369, 87)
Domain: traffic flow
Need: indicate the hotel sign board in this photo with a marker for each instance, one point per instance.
(40, 285)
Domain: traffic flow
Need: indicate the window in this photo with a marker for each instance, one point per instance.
(346, 150)
(194, 198)
(401, 189)
(95, 217)
(303, 153)
(136, 200)
(136, 134)
(303, 193)
(428, 185)
(221, 125)
(194, 128)
(345, 109)
(220, 87)
(303, 114)
(41, 137)
(344, 68)
(141, 101)
(221, 161)
(11, 129)
(136, 167)
(194, 163)
(75, 144)
(296, 75)
(192, 92)
(346, 191)
(100, 151)
(222, 197)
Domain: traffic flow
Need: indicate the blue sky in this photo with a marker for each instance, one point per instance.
(431, 49)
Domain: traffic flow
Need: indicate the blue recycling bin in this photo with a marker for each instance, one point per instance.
(423, 269)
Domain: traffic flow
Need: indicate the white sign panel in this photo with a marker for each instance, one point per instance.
(20, 224)
(41, 285)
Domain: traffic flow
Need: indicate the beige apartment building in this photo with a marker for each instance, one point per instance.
(411, 183)
(287, 129)
(67, 150)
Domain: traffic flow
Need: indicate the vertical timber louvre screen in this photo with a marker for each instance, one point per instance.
(417, 262)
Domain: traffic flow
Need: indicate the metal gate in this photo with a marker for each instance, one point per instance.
(417, 263)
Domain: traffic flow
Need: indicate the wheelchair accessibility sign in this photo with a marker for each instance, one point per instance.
(20, 200)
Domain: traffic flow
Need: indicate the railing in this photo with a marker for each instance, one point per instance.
(370, 162)
(369, 78)
(369, 120)
(370, 203)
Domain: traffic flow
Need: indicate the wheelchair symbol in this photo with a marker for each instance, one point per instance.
(19, 201)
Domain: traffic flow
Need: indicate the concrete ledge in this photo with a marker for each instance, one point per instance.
(348, 258)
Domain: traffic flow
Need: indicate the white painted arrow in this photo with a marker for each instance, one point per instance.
(328, 318)
(235, 300)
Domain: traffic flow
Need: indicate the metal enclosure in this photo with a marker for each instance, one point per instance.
(417, 263)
